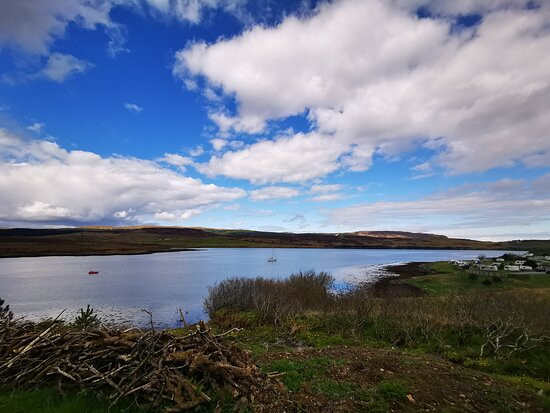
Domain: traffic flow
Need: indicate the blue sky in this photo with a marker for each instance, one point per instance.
(288, 116)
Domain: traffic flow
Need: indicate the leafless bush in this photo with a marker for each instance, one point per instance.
(404, 321)
(273, 300)
(349, 311)
(509, 322)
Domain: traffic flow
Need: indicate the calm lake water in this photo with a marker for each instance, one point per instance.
(162, 283)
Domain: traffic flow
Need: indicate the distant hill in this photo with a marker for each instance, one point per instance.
(25, 242)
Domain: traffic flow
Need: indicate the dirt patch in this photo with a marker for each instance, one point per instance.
(429, 384)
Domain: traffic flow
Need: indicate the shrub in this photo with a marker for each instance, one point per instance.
(87, 319)
(6, 316)
(497, 322)
(273, 300)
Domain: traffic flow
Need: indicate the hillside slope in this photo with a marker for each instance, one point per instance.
(22, 242)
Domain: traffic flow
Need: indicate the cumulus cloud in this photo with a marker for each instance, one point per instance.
(273, 192)
(62, 66)
(289, 159)
(484, 211)
(373, 76)
(132, 107)
(33, 25)
(79, 187)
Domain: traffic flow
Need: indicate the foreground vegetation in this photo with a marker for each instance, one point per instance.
(447, 342)
(297, 326)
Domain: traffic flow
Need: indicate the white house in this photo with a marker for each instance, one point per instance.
(511, 268)
(525, 268)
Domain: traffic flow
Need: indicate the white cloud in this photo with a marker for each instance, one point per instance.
(132, 107)
(61, 66)
(33, 25)
(42, 211)
(424, 170)
(196, 151)
(373, 77)
(218, 143)
(78, 187)
(481, 211)
(36, 127)
(326, 192)
(273, 192)
(190, 213)
(422, 167)
(324, 188)
(327, 197)
(289, 159)
(177, 160)
(192, 10)
(248, 124)
(165, 216)
(122, 214)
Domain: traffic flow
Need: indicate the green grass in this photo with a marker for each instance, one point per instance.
(49, 400)
(312, 376)
(392, 390)
(298, 373)
(447, 279)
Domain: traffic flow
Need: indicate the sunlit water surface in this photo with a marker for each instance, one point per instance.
(163, 283)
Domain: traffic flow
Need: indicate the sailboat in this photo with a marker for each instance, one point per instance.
(273, 257)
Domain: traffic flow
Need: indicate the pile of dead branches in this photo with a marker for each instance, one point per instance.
(152, 367)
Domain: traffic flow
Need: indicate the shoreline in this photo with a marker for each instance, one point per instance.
(99, 254)
(394, 285)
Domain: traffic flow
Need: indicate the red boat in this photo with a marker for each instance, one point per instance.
(93, 272)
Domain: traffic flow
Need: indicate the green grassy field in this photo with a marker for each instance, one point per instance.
(448, 279)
